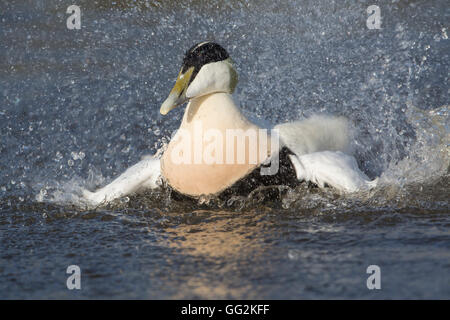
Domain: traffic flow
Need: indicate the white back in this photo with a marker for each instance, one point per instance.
(318, 133)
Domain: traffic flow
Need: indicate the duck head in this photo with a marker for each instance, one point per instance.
(207, 68)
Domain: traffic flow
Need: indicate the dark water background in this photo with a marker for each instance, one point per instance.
(77, 107)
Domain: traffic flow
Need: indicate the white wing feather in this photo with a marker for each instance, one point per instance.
(317, 133)
(333, 168)
(143, 175)
(318, 143)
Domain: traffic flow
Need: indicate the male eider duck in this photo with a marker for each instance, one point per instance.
(217, 148)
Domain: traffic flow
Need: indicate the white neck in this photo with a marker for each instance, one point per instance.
(215, 111)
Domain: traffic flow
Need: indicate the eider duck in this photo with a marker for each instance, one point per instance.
(217, 148)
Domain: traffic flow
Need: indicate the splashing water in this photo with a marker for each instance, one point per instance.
(78, 107)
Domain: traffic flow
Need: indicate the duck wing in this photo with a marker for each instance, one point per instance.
(333, 168)
(318, 145)
(143, 175)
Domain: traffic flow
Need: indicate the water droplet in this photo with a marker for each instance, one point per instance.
(292, 255)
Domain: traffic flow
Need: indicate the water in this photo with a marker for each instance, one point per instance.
(77, 107)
